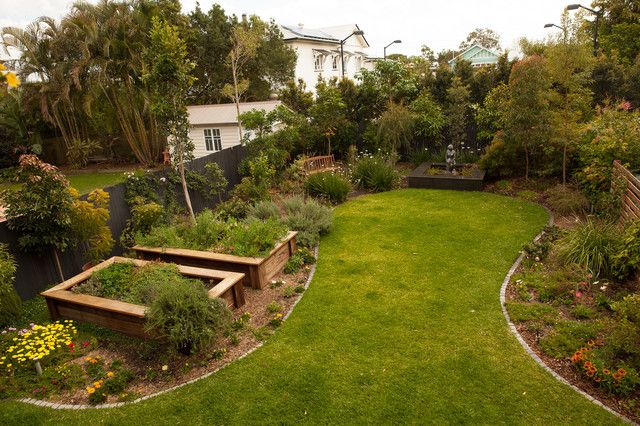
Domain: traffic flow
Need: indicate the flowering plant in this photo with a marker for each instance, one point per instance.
(38, 343)
(621, 381)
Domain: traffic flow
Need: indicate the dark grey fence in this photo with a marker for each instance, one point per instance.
(37, 270)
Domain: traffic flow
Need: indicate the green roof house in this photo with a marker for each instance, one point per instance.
(479, 56)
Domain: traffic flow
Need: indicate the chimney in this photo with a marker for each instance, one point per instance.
(244, 18)
(301, 25)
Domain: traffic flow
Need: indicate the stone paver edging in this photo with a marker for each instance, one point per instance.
(58, 406)
(525, 345)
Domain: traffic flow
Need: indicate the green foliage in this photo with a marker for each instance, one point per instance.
(233, 208)
(374, 173)
(327, 185)
(301, 257)
(591, 245)
(89, 219)
(261, 177)
(183, 314)
(395, 127)
(567, 336)
(112, 282)
(10, 303)
(40, 209)
(216, 181)
(583, 312)
(79, 150)
(457, 112)
(264, 210)
(626, 260)
(523, 312)
(254, 238)
(566, 200)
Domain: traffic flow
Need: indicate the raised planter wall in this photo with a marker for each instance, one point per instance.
(127, 317)
(419, 179)
(258, 270)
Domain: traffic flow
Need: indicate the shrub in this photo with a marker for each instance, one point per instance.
(10, 303)
(565, 200)
(301, 257)
(583, 312)
(567, 336)
(216, 182)
(183, 314)
(113, 280)
(89, 219)
(311, 219)
(628, 308)
(233, 208)
(375, 174)
(264, 210)
(621, 379)
(626, 260)
(330, 186)
(254, 238)
(591, 245)
(522, 312)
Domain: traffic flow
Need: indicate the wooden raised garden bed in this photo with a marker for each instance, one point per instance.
(421, 177)
(258, 270)
(127, 317)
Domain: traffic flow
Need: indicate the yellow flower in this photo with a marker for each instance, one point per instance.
(97, 385)
(110, 374)
(91, 390)
(2, 67)
(12, 80)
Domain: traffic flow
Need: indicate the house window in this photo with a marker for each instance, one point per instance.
(334, 64)
(319, 62)
(212, 140)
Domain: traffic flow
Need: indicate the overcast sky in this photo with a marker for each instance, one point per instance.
(440, 24)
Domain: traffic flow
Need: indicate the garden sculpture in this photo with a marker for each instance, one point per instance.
(451, 159)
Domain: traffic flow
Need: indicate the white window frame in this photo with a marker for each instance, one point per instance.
(334, 63)
(212, 140)
(318, 63)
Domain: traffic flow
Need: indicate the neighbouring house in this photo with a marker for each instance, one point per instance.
(215, 127)
(318, 52)
(479, 56)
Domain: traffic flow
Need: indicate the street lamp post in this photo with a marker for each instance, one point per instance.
(564, 30)
(356, 32)
(596, 22)
(385, 48)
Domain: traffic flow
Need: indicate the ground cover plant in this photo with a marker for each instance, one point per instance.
(253, 238)
(576, 299)
(402, 316)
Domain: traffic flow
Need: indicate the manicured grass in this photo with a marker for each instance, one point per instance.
(83, 182)
(87, 182)
(401, 324)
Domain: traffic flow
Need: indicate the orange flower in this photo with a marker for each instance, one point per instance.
(622, 372)
(591, 343)
(617, 376)
(606, 371)
(597, 379)
(590, 373)
(588, 364)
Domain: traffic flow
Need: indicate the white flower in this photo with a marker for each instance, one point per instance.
(165, 367)
(163, 179)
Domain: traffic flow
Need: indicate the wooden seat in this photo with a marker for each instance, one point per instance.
(322, 163)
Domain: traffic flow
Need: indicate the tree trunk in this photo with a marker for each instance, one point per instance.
(234, 72)
(187, 198)
(564, 165)
(526, 162)
(58, 265)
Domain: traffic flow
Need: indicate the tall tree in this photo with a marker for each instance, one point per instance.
(527, 117)
(485, 37)
(169, 78)
(457, 112)
(246, 37)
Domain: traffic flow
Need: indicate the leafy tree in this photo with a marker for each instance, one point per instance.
(428, 118)
(245, 40)
(608, 79)
(170, 78)
(457, 112)
(296, 96)
(441, 83)
(395, 127)
(209, 44)
(485, 37)
(491, 115)
(619, 28)
(569, 62)
(527, 117)
(40, 209)
(428, 54)
(328, 112)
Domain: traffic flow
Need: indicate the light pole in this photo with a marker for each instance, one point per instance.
(554, 25)
(356, 32)
(595, 23)
(385, 48)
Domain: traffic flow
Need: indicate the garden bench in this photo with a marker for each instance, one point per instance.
(322, 163)
(97, 159)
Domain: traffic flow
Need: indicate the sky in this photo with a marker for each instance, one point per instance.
(440, 24)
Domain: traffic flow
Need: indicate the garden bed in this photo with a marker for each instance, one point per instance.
(258, 271)
(435, 176)
(127, 317)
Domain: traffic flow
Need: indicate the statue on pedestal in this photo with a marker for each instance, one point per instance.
(451, 159)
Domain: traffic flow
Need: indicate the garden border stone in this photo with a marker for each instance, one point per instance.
(525, 345)
(58, 406)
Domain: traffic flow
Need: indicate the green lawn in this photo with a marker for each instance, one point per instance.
(87, 182)
(84, 182)
(401, 324)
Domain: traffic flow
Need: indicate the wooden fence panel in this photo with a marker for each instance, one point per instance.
(630, 191)
(36, 270)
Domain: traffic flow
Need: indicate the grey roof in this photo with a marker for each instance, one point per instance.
(308, 33)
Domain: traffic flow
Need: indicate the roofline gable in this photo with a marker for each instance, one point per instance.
(481, 47)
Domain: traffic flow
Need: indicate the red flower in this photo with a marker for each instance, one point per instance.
(578, 294)
(85, 344)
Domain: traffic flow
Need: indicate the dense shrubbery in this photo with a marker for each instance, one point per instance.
(591, 245)
(328, 186)
(374, 173)
(209, 232)
(10, 303)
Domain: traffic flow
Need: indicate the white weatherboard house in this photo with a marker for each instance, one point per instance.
(318, 52)
(479, 56)
(215, 127)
